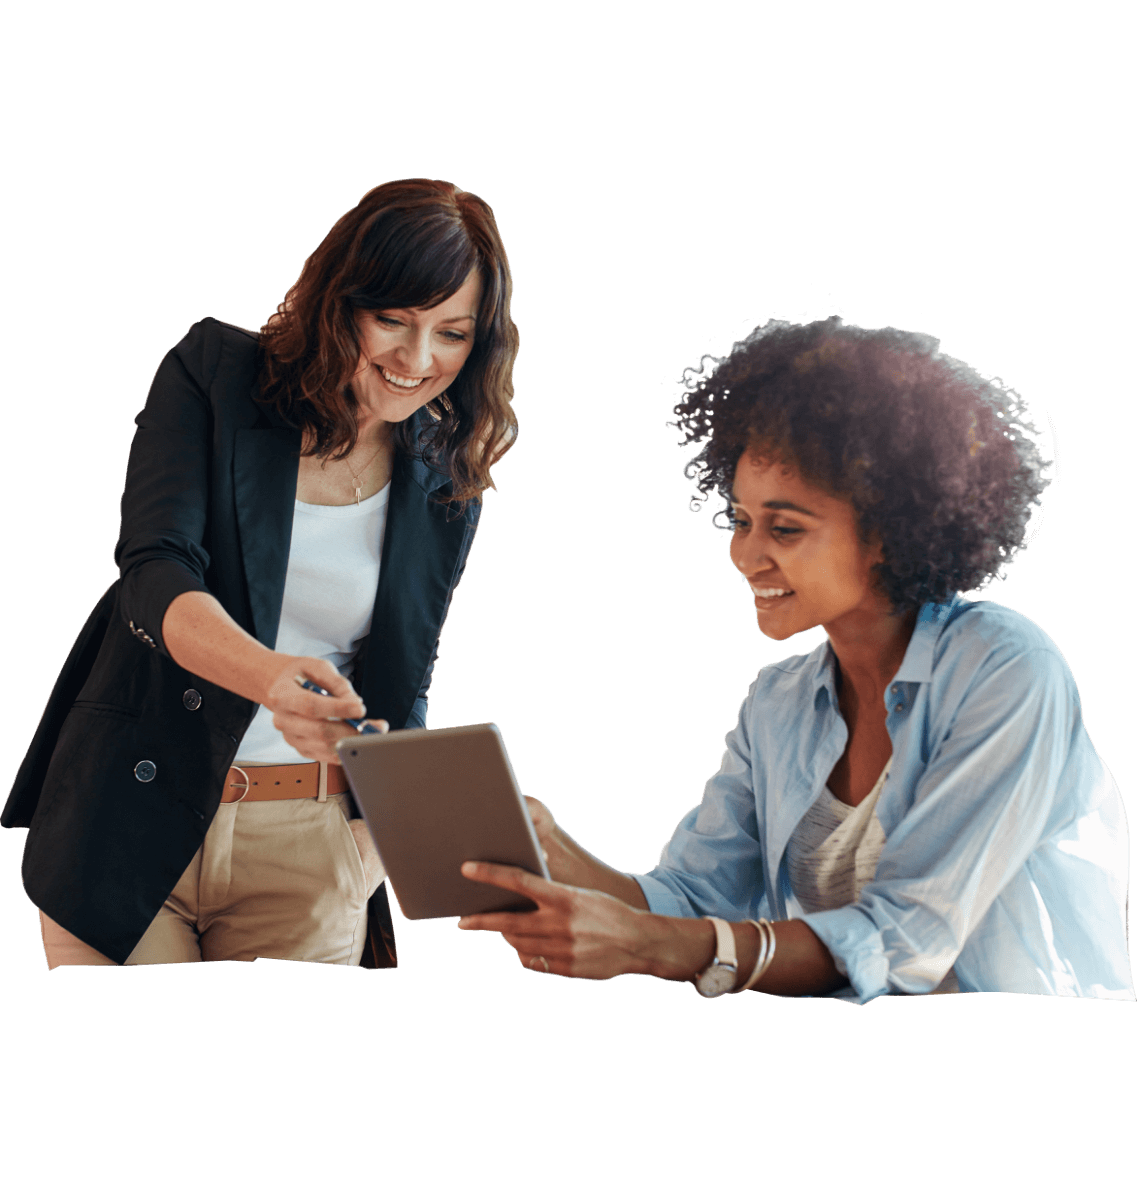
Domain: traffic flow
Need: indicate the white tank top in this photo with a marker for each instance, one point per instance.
(833, 854)
(329, 596)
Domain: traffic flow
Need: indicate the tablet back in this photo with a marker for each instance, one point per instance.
(433, 799)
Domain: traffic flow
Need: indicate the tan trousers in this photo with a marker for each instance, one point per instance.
(271, 880)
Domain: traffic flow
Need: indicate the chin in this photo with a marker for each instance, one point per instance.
(779, 630)
(399, 414)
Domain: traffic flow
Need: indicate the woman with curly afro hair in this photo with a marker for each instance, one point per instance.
(914, 807)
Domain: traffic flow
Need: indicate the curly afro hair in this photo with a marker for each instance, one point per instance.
(938, 462)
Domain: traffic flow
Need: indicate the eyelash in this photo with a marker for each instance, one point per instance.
(781, 532)
(452, 335)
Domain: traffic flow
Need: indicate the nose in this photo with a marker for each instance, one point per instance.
(748, 551)
(416, 355)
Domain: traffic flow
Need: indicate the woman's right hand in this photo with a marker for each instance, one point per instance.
(309, 722)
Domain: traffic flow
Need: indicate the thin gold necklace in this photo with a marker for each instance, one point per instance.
(356, 482)
(355, 477)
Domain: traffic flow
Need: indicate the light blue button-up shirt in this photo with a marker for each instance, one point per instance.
(1006, 853)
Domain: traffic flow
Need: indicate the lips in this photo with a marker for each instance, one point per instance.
(398, 382)
(768, 598)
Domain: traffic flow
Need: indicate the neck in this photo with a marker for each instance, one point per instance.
(869, 651)
(372, 433)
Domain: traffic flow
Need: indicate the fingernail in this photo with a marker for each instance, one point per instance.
(461, 922)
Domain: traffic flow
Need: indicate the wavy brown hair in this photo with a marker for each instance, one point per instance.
(938, 462)
(408, 244)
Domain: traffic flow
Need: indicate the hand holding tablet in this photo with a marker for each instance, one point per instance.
(434, 800)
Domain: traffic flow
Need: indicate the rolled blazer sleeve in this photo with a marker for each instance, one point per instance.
(978, 812)
(165, 503)
(712, 867)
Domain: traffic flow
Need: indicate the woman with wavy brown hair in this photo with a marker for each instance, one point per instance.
(299, 507)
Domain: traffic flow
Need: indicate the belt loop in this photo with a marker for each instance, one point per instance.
(322, 796)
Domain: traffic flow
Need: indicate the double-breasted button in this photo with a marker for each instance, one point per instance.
(145, 770)
(191, 700)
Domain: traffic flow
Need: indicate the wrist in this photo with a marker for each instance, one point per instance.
(270, 666)
(677, 948)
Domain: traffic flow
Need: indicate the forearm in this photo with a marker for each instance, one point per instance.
(680, 947)
(570, 863)
(203, 639)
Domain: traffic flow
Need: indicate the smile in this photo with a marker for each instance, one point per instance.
(768, 599)
(406, 384)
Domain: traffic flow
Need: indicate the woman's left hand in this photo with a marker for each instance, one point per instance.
(575, 931)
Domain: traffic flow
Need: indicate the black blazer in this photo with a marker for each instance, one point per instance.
(208, 506)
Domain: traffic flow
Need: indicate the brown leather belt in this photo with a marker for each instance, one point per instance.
(275, 783)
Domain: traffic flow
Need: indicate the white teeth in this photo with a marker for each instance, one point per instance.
(395, 380)
(769, 593)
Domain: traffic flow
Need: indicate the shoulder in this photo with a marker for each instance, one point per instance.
(785, 688)
(987, 652)
(983, 633)
(213, 349)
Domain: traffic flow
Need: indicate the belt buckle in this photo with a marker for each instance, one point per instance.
(248, 785)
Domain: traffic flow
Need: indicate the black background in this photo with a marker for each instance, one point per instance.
(599, 622)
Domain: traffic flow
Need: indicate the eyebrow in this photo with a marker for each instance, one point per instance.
(469, 316)
(781, 506)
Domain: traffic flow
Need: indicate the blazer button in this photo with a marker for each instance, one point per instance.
(191, 699)
(145, 770)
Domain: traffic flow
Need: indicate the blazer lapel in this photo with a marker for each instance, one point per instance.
(265, 467)
(422, 549)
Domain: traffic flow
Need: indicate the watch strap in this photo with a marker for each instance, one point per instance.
(725, 952)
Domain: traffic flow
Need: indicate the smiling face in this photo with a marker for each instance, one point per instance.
(409, 356)
(801, 553)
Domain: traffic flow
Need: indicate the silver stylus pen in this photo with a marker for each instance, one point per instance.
(360, 725)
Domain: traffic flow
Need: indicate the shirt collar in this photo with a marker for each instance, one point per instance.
(917, 664)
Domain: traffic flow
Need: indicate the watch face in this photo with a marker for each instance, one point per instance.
(715, 981)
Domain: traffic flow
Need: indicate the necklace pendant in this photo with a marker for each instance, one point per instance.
(358, 486)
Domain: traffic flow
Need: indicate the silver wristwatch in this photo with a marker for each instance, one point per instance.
(719, 978)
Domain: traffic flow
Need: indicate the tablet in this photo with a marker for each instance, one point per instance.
(433, 798)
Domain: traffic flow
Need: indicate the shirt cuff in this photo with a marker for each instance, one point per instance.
(662, 900)
(857, 949)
